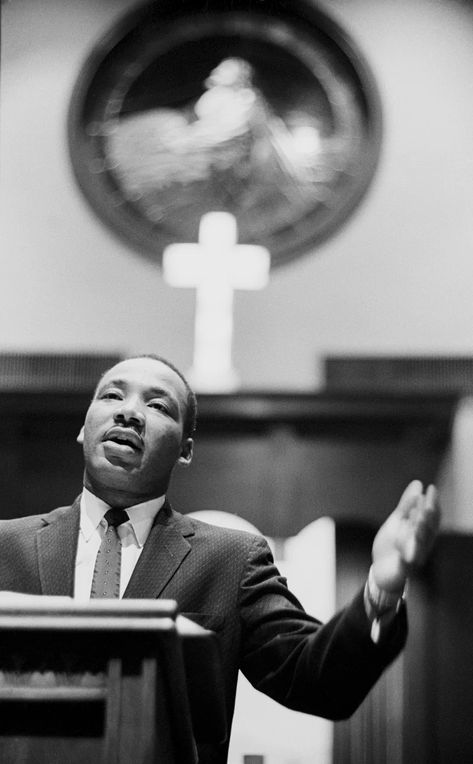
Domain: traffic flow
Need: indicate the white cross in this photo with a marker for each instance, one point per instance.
(215, 267)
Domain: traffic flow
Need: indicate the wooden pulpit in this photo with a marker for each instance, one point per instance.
(105, 681)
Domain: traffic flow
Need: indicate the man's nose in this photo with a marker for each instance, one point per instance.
(129, 412)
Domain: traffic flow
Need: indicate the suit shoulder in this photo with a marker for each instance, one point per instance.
(32, 522)
(224, 536)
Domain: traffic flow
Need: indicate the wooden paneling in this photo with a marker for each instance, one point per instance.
(41, 461)
(279, 461)
(441, 655)
(282, 461)
(421, 709)
(377, 731)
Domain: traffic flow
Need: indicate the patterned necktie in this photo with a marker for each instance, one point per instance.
(106, 580)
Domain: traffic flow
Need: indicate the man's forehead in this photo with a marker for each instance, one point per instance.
(146, 371)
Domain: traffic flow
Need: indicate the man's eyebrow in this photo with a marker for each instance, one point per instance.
(107, 383)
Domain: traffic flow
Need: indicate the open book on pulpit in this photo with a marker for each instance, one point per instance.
(105, 681)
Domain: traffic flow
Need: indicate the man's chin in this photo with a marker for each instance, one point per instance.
(107, 475)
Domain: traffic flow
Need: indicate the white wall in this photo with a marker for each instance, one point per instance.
(398, 278)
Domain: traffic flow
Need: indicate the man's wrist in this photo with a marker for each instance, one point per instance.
(380, 599)
(380, 604)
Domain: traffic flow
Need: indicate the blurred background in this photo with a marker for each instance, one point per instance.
(395, 279)
(355, 361)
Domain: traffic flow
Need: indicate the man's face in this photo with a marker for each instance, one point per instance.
(133, 430)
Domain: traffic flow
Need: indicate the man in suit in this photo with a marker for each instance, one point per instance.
(138, 427)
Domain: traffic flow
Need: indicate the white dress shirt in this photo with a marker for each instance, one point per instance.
(133, 535)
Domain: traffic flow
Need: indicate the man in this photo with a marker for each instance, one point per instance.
(138, 427)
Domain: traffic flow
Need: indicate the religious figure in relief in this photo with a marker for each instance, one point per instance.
(232, 145)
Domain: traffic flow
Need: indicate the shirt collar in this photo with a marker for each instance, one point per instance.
(92, 510)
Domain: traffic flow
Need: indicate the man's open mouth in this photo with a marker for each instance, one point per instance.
(124, 436)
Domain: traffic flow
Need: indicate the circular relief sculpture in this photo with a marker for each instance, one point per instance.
(265, 110)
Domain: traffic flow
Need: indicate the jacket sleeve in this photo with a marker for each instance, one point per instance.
(322, 669)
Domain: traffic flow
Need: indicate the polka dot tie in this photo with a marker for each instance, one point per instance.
(106, 580)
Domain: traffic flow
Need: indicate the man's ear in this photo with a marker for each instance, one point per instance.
(186, 452)
(80, 437)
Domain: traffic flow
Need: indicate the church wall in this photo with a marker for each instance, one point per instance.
(396, 278)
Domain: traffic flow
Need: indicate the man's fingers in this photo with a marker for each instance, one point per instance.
(423, 522)
(411, 550)
(416, 506)
(432, 507)
(431, 497)
(428, 511)
(409, 498)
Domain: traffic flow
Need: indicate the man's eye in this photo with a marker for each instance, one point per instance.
(158, 405)
(111, 395)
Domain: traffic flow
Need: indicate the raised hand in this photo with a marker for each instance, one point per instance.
(405, 539)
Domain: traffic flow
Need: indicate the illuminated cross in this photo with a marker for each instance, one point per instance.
(215, 267)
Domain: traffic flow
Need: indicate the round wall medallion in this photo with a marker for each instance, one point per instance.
(265, 110)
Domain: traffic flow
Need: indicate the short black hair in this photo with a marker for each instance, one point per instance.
(190, 416)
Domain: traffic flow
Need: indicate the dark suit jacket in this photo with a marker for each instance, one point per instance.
(226, 581)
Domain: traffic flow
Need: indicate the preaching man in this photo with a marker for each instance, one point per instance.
(139, 426)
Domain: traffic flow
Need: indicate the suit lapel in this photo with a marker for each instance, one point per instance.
(57, 545)
(163, 553)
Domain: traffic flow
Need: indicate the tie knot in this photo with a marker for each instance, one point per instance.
(116, 516)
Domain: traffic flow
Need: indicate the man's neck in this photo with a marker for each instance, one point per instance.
(118, 497)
